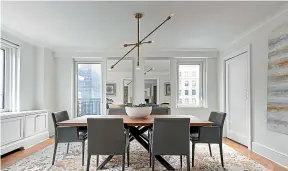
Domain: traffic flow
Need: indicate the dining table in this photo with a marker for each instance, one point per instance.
(137, 128)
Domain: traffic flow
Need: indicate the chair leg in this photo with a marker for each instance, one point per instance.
(97, 160)
(210, 149)
(181, 161)
(153, 161)
(123, 162)
(128, 155)
(150, 158)
(221, 154)
(55, 150)
(67, 147)
(193, 153)
(188, 162)
(88, 161)
(83, 150)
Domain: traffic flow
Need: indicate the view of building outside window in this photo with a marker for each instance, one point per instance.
(191, 78)
(2, 78)
(89, 89)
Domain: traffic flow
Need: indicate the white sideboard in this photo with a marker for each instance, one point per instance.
(23, 129)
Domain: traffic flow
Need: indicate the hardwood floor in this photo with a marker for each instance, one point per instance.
(13, 157)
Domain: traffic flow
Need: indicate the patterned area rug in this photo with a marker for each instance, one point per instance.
(139, 160)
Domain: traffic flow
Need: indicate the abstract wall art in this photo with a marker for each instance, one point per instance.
(277, 88)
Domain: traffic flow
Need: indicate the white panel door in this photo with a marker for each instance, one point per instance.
(237, 98)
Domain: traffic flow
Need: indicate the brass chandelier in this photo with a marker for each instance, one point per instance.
(138, 16)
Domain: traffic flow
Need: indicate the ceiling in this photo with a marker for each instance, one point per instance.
(126, 65)
(104, 26)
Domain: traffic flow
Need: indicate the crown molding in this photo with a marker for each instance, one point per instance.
(257, 27)
(23, 38)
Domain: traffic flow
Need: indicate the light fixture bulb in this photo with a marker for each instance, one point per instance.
(152, 41)
(137, 68)
(109, 69)
(172, 15)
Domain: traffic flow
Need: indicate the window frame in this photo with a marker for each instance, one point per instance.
(4, 80)
(12, 76)
(202, 81)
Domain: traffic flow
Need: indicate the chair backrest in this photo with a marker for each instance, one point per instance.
(171, 136)
(160, 111)
(218, 118)
(106, 136)
(117, 111)
(59, 117)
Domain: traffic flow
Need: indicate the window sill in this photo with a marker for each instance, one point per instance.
(187, 107)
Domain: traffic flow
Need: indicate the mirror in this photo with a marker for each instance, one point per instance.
(157, 81)
(117, 91)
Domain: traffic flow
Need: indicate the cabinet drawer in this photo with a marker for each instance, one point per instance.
(12, 130)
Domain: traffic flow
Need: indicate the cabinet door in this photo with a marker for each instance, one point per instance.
(12, 130)
(41, 122)
(30, 126)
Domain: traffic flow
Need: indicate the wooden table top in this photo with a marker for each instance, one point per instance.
(82, 121)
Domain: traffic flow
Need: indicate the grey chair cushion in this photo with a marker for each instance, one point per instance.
(117, 111)
(160, 111)
(171, 136)
(106, 136)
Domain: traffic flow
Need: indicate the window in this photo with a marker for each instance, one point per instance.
(9, 74)
(194, 83)
(2, 78)
(186, 92)
(186, 83)
(193, 92)
(186, 101)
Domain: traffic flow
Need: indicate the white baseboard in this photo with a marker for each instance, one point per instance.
(12, 146)
(275, 156)
(36, 139)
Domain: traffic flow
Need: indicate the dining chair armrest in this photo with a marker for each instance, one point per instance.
(210, 134)
(65, 133)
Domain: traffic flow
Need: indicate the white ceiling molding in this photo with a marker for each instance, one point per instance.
(113, 54)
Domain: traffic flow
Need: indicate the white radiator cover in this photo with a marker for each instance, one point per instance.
(23, 129)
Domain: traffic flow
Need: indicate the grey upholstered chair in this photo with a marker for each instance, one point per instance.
(64, 134)
(210, 134)
(160, 111)
(117, 111)
(170, 136)
(107, 137)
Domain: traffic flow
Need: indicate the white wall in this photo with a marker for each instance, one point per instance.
(45, 83)
(64, 85)
(27, 72)
(212, 95)
(267, 143)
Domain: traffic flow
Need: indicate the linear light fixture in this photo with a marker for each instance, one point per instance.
(138, 16)
(151, 69)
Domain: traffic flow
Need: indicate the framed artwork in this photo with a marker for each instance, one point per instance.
(167, 89)
(111, 89)
(277, 89)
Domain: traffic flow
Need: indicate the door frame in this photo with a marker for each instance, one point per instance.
(100, 61)
(241, 51)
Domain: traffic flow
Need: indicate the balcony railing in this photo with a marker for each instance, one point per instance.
(89, 106)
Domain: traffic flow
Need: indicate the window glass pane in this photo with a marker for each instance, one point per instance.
(191, 87)
(89, 89)
(2, 69)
